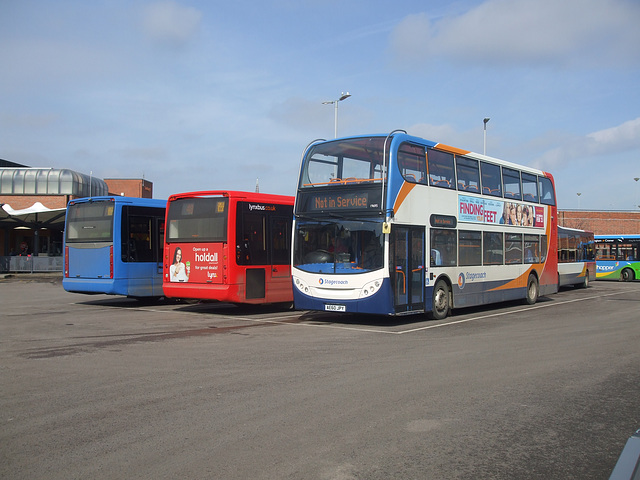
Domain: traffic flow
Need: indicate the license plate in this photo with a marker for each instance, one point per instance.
(335, 308)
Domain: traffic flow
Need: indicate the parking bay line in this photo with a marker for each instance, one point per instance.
(401, 332)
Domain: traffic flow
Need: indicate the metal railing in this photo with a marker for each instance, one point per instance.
(31, 264)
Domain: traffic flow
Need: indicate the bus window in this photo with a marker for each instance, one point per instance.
(444, 242)
(511, 183)
(354, 169)
(321, 168)
(513, 248)
(88, 222)
(252, 238)
(529, 187)
(137, 228)
(547, 195)
(412, 163)
(468, 174)
(469, 248)
(531, 249)
(280, 241)
(441, 169)
(493, 248)
(491, 179)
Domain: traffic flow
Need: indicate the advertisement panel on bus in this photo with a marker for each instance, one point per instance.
(196, 262)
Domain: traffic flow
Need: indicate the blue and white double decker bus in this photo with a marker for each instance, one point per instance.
(113, 245)
(618, 257)
(395, 224)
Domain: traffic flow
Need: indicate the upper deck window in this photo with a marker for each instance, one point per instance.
(468, 175)
(491, 179)
(412, 162)
(547, 195)
(529, 187)
(344, 162)
(511, 183)
(441, 173)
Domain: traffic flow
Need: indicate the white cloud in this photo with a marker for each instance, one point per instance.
(519, 32)
(170, 23)
(619, 139)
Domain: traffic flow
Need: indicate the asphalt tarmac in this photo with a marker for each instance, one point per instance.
(105, 387)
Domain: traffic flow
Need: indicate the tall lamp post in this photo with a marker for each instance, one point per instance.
(636, 179)
(485, 121)
(344, 96)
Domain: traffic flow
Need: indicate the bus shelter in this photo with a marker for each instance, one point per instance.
(33, 236)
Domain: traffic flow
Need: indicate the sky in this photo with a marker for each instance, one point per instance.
(203, 95)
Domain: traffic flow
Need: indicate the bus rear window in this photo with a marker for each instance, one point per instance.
(90, 222)
(197, 220)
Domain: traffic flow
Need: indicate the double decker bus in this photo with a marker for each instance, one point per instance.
(229, 246)
(113, 245)
(618, 257)
(576, 257)
(395, 224)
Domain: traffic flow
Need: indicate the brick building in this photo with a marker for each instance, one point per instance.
(621, 222)
(130, 187)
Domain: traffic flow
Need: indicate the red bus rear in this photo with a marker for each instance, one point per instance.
(228, 246)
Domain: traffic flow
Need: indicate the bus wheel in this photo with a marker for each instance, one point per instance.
(440, 305)
(585, 284)
(532, 290)
(627, 275)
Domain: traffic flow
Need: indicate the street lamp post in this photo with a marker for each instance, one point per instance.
(636, 179)
(485, 134)
(344, 96)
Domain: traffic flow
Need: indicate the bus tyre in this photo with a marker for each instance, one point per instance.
(627, 275)
(532, 290)
(585, 284)
(441, 301)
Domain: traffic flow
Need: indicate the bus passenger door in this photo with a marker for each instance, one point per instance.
(280, 241)
(158, 245)
(407, 268)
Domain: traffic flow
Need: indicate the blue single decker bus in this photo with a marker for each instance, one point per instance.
(113, 245)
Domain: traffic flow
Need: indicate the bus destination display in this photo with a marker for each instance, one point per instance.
(340, 201)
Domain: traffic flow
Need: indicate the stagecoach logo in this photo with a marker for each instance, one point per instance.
(328, 281)
(470, 277)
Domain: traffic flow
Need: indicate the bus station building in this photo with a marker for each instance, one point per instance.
(33, 204)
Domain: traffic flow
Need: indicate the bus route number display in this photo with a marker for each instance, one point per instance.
(342, 201)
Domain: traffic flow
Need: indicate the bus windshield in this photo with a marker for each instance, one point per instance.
(344, 162)
(90, 222)
(350, 246)
(197, 220)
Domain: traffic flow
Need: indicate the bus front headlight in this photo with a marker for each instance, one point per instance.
(300, 285)
(370, 288)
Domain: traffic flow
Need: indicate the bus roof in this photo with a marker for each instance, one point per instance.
(144, 202)
(252, 196)
(403, 136)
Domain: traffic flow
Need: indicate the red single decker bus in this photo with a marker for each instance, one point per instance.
(228, 246)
